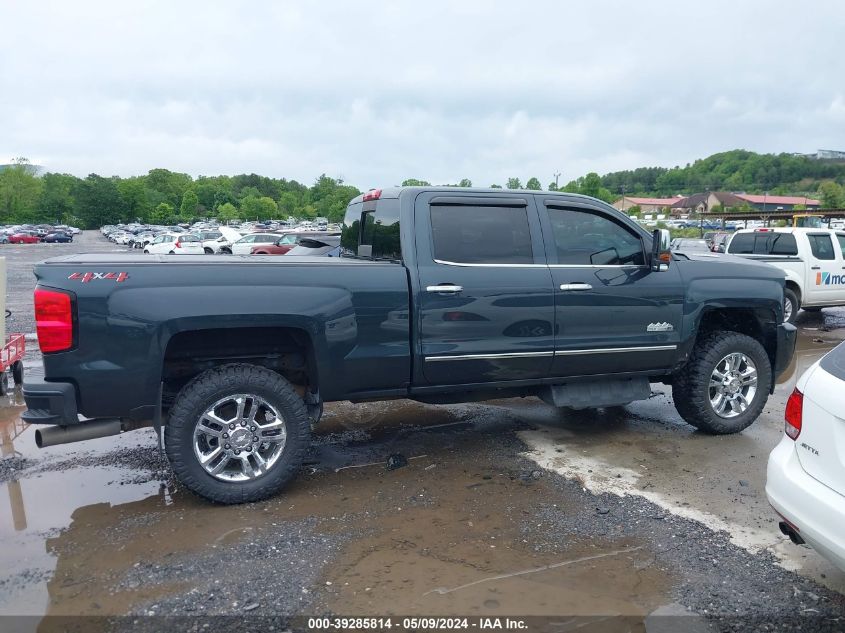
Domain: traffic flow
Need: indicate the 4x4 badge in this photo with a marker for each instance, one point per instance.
(660, 327)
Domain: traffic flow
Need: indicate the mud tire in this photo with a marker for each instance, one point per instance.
(209, 387)
(17, 372)
(690, 388)
(789, 297)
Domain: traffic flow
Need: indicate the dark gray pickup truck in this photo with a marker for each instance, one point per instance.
(440, 295)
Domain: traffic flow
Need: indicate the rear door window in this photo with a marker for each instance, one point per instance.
(822, 246)
(841, 239)
(467, 234)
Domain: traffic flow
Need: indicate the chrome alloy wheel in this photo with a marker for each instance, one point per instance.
(733, 385)
(787, 309)
(239, 437)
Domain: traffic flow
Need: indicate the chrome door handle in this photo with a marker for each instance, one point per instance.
(576, 286)
(445, 288)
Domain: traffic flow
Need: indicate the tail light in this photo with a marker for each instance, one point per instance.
(178, 244)
(53, 320)
(794, 414)
(372, 194)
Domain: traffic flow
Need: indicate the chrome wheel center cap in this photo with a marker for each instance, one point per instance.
(240, 438)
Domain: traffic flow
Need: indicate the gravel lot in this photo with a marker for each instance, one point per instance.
(627, 519)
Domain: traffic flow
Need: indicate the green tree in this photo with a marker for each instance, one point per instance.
(832, 195)
(227, 211)
(98, 202)
(495, 186)
(553, 186)
(288, 203)
(163, 213)
(413, 182)
(465, 182)
(188, 208)
(258, 208)
(514, 183)
(20, 190)
(57, 195)
(534, 184)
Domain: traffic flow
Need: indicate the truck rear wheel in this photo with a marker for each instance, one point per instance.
(791, 305)
(237, 433)
(725, 384)
(17, 372)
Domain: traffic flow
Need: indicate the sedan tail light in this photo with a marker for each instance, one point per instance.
(53, 320)
(178, 244)
(794, 414)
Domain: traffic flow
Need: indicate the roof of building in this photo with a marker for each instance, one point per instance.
(725, 198)
(666, 202)
(758, 199)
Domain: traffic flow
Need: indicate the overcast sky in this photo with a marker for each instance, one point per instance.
(376, 92)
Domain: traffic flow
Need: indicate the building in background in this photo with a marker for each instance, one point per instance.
(646, 205)
(711, 201)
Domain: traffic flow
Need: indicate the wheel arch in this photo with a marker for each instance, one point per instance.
(289, 350)
(758, 323)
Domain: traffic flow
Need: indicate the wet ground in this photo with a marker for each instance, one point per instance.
(627, 518)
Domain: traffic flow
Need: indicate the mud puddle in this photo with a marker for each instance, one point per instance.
(94, 532)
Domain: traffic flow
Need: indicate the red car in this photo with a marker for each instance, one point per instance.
(24, 237)
(287, 242)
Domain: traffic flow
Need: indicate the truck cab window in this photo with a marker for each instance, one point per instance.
(467, 234)
(584, 238)
(822, 246)
(372, 230)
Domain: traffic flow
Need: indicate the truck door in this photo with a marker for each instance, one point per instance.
(612, 313)
(484, 305)
(825, 275)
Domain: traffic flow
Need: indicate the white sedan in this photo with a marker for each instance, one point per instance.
(173, 244)
(244, 245)
(806, 475)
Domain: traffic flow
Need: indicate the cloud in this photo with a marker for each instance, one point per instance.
(378, 92)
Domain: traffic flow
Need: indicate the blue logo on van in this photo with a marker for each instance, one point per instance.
(826, 279)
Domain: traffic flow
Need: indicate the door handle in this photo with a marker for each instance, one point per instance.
(444, 288)
(576, 286)
(815, 267)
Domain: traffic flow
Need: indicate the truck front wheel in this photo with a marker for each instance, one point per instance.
(237, 433)
(725, 384)
(791, 305)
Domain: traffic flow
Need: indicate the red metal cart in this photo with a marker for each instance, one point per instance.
(11, 357)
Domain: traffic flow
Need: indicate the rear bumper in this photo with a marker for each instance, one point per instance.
(786, 338)
(816, 510)
(50, 403)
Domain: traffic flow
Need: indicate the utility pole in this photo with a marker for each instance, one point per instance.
(557, 175)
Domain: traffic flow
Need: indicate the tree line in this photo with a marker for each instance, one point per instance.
(162, 196)
(739, 171)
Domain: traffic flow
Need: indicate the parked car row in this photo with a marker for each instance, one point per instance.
(35, 234)
(236, 239)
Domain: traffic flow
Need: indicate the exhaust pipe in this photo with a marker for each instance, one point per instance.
(791, 532)
(53, 435)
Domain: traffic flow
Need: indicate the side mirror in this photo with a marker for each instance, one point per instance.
(661, 255)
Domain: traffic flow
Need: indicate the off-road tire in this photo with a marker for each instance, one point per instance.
(790, 296)
(690, 387)
(206, 389)
(208, 251)
(17, 372)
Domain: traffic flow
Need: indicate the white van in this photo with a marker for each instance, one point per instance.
(813, 260)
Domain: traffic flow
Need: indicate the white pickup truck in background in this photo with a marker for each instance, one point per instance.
(813, 260)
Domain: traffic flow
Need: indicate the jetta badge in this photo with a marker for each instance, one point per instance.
(660, 327)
